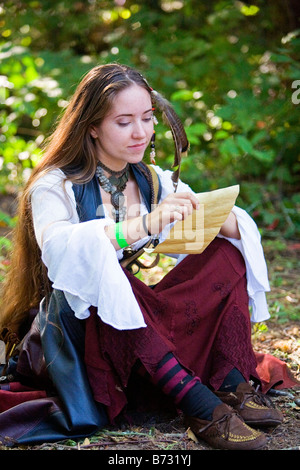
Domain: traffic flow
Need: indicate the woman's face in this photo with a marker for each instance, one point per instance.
(125, 132)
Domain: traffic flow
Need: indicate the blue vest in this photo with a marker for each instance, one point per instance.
(88, 196)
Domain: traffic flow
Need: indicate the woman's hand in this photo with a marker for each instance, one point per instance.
(176, 206)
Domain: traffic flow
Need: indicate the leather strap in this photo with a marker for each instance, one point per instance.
(155, 183)
(131, 258)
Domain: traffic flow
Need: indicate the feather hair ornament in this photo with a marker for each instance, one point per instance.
(181, 142)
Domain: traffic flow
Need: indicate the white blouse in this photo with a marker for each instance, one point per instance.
(82, 262)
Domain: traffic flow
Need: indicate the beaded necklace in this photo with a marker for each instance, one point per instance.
(115, 184)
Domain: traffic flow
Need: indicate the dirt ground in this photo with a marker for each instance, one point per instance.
(280, 337)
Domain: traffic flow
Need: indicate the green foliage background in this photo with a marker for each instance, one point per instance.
(230, 68)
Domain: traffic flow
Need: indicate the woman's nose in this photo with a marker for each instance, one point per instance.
(139, 130)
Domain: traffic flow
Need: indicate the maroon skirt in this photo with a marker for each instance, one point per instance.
(199, 311)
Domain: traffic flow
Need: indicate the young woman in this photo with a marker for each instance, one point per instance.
(88, 200)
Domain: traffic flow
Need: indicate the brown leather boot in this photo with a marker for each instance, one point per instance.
(226, 430)
(254, 407)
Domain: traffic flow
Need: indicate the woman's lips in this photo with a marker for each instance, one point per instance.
(137, 146)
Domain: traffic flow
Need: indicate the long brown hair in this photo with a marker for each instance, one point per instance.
(70, 148)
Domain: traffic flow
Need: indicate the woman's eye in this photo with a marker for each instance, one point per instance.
(123, 124)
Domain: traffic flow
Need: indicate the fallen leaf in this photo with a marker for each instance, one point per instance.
(283, 345)
(191, 435)
(290, 299)
(278, 268)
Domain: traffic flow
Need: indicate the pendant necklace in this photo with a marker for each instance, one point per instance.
(115, 184)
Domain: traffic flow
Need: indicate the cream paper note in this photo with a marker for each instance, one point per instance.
(195, 233)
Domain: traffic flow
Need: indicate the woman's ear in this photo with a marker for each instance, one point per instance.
(93, 132)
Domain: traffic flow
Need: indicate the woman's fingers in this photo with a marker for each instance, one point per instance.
(176, 206)
(182, 203)
(179, 199)
(183, 210)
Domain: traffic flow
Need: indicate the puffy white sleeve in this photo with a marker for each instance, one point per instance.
(80, 258)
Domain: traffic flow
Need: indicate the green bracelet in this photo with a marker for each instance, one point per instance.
(120, 236)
